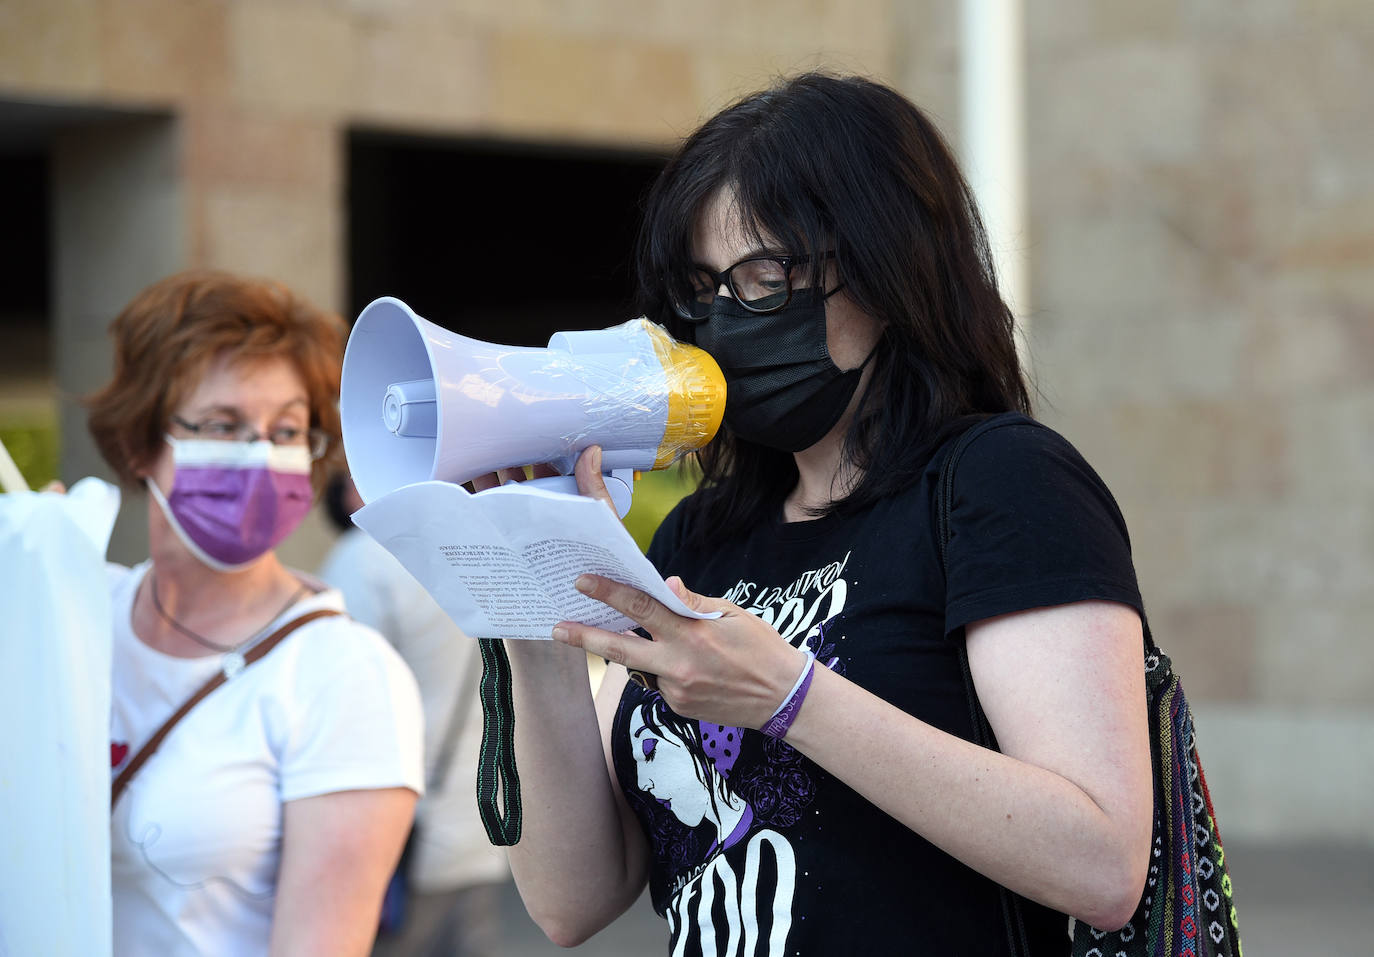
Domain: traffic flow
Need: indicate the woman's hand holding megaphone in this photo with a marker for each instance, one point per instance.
(501, 476)
(591, 481)
(731, 670)
(588, 478)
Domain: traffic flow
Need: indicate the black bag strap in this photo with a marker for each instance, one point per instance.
(496, 774)
(982, 730)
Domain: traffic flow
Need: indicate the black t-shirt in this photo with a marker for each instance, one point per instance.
(758, 851)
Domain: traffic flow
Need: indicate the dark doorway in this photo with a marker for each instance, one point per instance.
(24, 265)
(499, 241)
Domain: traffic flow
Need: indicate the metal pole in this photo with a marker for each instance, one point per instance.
(994, 138)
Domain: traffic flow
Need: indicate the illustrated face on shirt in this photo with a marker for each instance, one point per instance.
(666, 770)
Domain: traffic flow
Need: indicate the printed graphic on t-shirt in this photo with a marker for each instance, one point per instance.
(758, 850)
(721, 822)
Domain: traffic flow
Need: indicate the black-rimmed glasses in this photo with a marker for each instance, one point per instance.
(231, 430)
(760, 284)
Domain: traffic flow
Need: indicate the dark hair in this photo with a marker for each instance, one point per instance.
(167, 336)
(335, 500)
(823, 162)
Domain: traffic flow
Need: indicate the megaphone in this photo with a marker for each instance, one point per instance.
(419, 402)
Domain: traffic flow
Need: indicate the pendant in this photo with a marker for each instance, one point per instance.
(232, 664)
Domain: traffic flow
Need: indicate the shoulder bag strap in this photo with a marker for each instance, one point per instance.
(982, 730)
(252, 655)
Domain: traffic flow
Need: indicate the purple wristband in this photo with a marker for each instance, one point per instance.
(778, 724)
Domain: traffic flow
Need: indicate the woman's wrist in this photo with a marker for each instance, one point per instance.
(546, 662)
(781, 720)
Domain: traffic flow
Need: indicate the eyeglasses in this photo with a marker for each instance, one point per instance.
(229, 430)
(760, 284)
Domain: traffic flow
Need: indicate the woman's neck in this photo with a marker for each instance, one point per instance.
(180, 594)
(824, 476)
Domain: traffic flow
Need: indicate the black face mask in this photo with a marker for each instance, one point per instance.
(782, 388)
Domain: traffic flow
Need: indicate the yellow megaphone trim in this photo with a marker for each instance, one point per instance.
(696, 396)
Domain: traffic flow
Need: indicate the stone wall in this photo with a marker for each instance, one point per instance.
(1201, 251)
(264, 89)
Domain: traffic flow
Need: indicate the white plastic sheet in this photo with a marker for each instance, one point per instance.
(55, 709)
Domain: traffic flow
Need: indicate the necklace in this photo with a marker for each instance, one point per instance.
(233, 659)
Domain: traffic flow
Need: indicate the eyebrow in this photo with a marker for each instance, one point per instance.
(753, 252)
(236, 412)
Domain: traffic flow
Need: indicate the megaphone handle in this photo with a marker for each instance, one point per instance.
(620, 484)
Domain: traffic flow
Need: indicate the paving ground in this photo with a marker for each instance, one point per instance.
(1292, 902)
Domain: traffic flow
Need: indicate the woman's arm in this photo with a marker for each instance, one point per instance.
(338, 852)
(1062, 816)
(582, 858)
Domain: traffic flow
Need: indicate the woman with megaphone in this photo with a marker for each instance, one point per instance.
(800, 775)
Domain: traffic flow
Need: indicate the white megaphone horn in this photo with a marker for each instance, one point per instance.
(419, 402)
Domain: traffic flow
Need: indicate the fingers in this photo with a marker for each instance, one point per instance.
(630, 602)
(628, 649)
(590, 481)
(700, 603)
(500, 477)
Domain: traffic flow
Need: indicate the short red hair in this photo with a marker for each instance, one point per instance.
(166, 338)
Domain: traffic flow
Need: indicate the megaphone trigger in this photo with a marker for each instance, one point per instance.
(619, 486)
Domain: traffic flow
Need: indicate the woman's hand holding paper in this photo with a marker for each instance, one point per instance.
(730, 670)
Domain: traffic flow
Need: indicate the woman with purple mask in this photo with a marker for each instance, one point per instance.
(272, 814)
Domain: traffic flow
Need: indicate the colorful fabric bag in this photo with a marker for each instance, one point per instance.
(1187, 909)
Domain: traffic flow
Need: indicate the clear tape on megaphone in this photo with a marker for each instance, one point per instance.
(420, 402)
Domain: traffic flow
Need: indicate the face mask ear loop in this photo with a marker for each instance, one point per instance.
(186, 540)
(868, 358)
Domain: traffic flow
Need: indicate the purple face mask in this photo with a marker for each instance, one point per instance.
(232, 502)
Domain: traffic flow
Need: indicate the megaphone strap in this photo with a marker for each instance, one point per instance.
(496, 773)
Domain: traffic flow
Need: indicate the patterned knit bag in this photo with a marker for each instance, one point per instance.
(1186, 909)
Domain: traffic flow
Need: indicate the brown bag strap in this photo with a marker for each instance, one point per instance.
(250, 656)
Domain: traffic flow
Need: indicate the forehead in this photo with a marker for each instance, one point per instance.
(720, 238)
(256, 386)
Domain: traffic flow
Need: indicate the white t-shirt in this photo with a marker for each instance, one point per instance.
(451, 848)
(196, 837)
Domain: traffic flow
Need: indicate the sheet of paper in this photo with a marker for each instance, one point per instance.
(502, 563)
